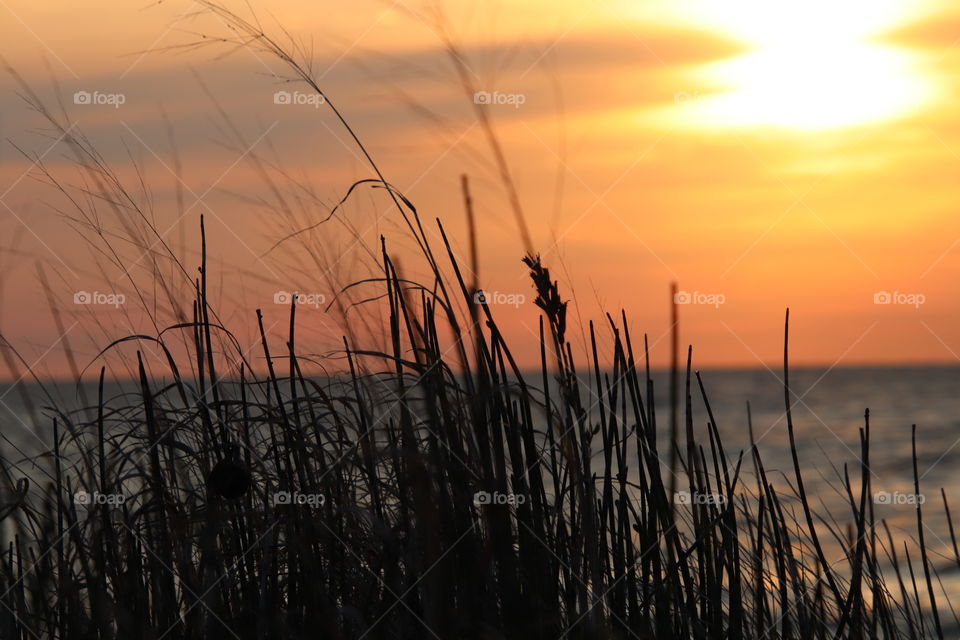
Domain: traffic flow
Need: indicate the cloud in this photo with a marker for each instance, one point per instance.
(937, 33)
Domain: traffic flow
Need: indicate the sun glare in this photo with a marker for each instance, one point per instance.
(810, 66)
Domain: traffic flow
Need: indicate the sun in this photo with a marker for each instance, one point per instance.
(813, 65)
(836, 84)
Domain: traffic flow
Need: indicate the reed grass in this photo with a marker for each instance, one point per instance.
(586, 543)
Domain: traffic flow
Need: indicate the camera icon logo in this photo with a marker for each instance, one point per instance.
(82, 297)
(682, 297)
(686, 97)
(282, 497)
(82, 97)
(480, 297)
(481, 498)
(882, 297)
(81, 497)
(282, 297)
(282, 97)
(482, 97)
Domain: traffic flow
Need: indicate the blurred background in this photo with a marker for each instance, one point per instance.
(760, 155)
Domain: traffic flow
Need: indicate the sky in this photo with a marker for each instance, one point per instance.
(761, 155)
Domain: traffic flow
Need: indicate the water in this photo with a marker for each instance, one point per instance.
(828, 413)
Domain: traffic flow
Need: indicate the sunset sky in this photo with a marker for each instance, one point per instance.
(760, 154)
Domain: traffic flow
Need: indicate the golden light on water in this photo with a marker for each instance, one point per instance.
(811, 66)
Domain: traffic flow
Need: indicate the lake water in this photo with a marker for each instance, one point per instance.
(827, 417)
(828, 412)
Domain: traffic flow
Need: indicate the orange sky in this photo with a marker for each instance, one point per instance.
(760, 156)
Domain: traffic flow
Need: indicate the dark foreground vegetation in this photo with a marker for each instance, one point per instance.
(445, 495)
(432, 489)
